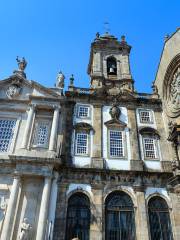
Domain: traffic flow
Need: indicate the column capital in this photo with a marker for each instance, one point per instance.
(56, 107)
(32, 106)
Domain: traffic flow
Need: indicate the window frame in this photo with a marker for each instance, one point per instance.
(156, 212)
(151, 116)
(123, 143)
(156, 147)
(17, 117)
(87, 144)
(85, 106)
(37, 121)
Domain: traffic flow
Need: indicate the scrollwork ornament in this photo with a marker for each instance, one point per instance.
(13, 91)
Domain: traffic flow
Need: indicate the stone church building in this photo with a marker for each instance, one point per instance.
(98, 163)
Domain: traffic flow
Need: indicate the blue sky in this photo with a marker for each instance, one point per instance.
(56, 35)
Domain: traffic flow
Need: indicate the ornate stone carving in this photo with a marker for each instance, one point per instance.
(25, 228)
(172, 94)
(60, 80)
(115, 112)
(13, 91)
(175, 90)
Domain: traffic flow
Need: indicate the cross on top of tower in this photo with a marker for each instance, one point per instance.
(106, 27)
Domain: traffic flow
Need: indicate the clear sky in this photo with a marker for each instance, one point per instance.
(56, 35)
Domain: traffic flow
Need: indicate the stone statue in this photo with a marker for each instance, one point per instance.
(21, 63)
(25, 228)
(60, 80)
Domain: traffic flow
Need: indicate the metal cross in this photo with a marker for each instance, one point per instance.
(106, 27)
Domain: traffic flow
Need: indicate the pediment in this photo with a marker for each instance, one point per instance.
(19, 88)
(149, 131)
(115, 123)
(82, 126)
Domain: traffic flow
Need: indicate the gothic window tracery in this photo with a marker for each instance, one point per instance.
(78, 217)
(120, 223)
(159, 219)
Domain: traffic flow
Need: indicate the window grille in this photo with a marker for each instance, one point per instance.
(145, 116)
(150, 148)
(83, 111)
(116, 143)
(78, 217)
(160, 225)
(7, 128)
(41, 134)
(120, 223)
(82, 143)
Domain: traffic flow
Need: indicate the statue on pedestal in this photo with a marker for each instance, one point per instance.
(25, 228)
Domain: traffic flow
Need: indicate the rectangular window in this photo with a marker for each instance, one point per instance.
(145, 116)
(81, 143)
(83, 111)
(7, 128)
(41, 134)
(116, 143)
(150, 148)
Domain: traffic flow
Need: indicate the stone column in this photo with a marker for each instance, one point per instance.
(96, 231)
(97, 160)
(141, 216)
(54, 128)
(43, 213)
(52, 207)
(10, 213)
(28, 126)
(174, 214)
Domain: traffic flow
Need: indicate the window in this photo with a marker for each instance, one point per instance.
(150, 148)
(83, 111)
(120, 224)
(116, 143)
(160, 225)
(41, 134)
(7, 128)
(111, 66)
(145, 116)
(78, 217)
(81, 143)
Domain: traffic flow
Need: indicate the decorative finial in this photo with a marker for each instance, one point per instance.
(60, 80)
(22, 63)
(166, 37)
(97, 35)
(71, 80)
(123, 39)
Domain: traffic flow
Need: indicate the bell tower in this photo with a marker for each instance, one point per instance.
(109, 63)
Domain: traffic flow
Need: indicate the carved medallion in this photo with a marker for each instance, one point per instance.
(173, 95)
(13, 91)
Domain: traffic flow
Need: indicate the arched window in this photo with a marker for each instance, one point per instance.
(160, 225)
(120, 223)
(111, 66)
(78, 217)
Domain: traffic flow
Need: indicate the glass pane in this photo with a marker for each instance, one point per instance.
(78, 217)
(120, 223)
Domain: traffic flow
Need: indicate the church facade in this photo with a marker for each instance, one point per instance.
(98, 163)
